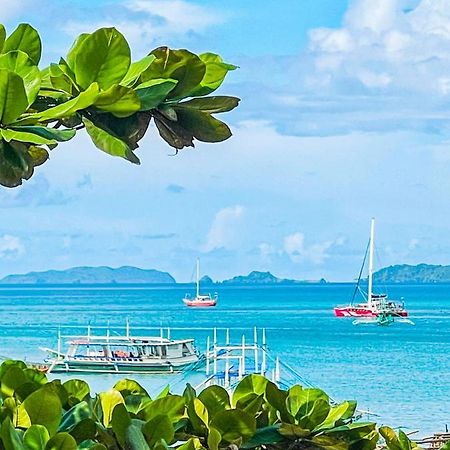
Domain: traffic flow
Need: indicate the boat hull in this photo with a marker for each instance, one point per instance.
(110, 366)
(355, 311)
(200, 303)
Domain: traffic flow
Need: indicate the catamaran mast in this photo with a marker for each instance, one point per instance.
(198, 277)
(372, 237)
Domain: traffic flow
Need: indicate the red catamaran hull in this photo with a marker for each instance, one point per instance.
(348, 311)
(200, 304)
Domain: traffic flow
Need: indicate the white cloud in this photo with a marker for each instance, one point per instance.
(222, 233)
(11, 8)
(413, 244)
(150, 23)
(298, 251)
(11, 246)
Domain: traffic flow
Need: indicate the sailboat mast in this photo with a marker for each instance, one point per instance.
(371, 247)
(198, 277)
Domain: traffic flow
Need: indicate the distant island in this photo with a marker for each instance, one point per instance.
(420, 274)
(93, 275)
(134, 275)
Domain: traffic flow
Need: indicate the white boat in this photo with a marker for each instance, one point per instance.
(122, 354)
(200, 300)
(375, 304)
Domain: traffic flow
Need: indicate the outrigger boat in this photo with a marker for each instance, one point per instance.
(200, 300)
(376, 304)
(122, 354)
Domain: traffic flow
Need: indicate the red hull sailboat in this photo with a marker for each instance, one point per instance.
(376, 304)
(200, 300)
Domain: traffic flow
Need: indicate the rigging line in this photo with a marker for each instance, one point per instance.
(360, 273)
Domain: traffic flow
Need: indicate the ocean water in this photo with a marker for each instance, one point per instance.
(400, 372)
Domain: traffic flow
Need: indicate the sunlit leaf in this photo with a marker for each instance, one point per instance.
(13, 97)
(26, 39)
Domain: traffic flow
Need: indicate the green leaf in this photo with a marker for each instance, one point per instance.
(118, 100)
(36, 437)
(44, 408)
(160, 427)
(135, 439)
(61, 441)
(191, 444)
(109, 144)
(26, 39)
(65, 110)
(211, 105)
(293, 431)
(13, 98)
(120, 422)
(71, 55)
(171, 406)
(21, 64)
(264, 436)
(10, 437)
(13, 378)
(335, 414)
(181, 65)
(234, 425)
(251, 384)
(37, 134)
(154, 92)
(75, 415)
(404, 440)
(312, 413)
(108, 401)
(215, 73)
(390, 437)
(130, 387)
(2, 36)
(135, 70)
(202, 125)
(77, 390)
(215, 398)
(214, 439)
(103, 57)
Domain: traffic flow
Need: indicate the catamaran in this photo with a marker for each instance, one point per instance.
(200, 300)
(376, 304)
(122, 354)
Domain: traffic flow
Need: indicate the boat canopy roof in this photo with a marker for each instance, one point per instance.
(123, 340)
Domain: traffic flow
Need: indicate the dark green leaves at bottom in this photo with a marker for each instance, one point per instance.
(234, 425)
(61, 441)
(109, 143)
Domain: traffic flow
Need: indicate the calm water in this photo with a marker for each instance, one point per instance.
(400, 372)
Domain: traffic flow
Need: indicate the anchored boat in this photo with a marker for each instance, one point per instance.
(200, 300)
(122, 354)
(375, 304)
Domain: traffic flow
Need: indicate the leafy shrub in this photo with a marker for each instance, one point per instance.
(97, 87)
(36, 414)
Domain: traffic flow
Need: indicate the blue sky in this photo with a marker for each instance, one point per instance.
(344, 116)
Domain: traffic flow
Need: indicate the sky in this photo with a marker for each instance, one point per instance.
(344, 116)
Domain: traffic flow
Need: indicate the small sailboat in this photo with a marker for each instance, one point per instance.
(200, 300)
(377, 306)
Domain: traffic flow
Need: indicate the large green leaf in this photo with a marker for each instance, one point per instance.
(130, 387)
(77, 390)
(36, 437)
(202, 125)
(135, 70)
(118, 100)
(76, 414)
(153, 92)
(264, 436)
(172, 406)
(108, 401)
(44, 408)
(61, 441)
(335, 414)
(135, 439)
(67, 109)
(312, 413)
(215, 398)
(234, 425)
(120, 422)
(109, 143)
(181, 65)
(10, 437)
(103, 57)
(26, 39)
(21, 64)
(211, 105)
(2, 36)
(13, 97)
(216, 71)
(160, 427)
(73, 52)
(251, 384)
(37, 134)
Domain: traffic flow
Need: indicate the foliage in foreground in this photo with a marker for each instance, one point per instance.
(36, 414)
(96, 86)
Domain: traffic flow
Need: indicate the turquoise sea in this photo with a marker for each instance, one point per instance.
(400, 372)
